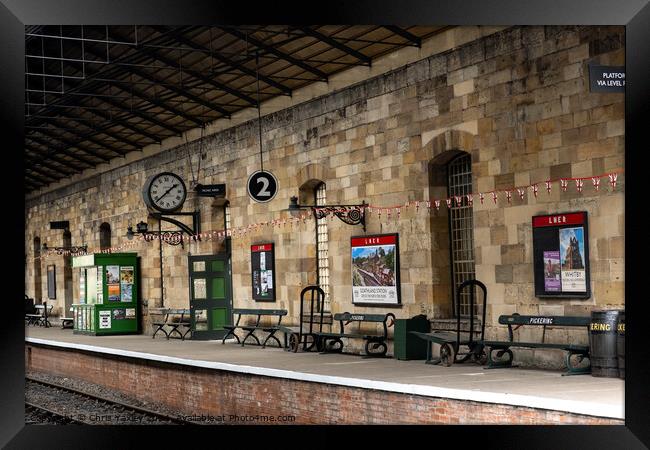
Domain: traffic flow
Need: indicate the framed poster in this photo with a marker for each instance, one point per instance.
(561, 256)
(375, 270)
(263, 272)
(51, 281)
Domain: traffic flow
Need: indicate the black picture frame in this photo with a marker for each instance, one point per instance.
(51, 281)
(634, 14)
(545, 237)
(256, 284)
(368, 239)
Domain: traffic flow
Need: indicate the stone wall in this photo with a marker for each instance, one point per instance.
(518, 101)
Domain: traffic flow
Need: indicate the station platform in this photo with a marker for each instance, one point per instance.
(208, 377)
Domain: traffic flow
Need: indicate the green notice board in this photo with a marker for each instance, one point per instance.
(108, 301)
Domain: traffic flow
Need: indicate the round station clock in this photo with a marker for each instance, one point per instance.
(165, 192)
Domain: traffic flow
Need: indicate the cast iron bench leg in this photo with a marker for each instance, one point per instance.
(250, 334)
(230, 332)
(571, 370)
(160, 328)
(271, 336)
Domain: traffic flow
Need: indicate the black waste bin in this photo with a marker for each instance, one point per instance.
(603, 338)
(408, 346)
(620, 345)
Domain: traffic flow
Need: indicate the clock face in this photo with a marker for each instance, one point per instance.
(165, 192)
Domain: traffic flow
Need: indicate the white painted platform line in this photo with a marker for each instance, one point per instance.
(529, 401)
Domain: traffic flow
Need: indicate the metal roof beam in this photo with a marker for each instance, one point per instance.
(366, 60)
(66, 152)
(405, 34)
(322, 76)
(143, 74)
(103, 130)
(83, 136)
(60, 161)
(189, 95)
(159, 103)
(70, 144)
(144, 116)
(125, 124)
(34, 181)
(227, 61)
(44, 173)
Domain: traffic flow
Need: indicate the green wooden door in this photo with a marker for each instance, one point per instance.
(210, 295)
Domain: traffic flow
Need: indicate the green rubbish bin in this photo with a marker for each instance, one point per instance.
(406, 345)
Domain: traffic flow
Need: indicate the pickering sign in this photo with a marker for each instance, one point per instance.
(607, 79)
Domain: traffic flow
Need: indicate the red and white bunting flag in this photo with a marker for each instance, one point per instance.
(494, 197)
(508, 195)
(448, 201)
(596, 182)
(429, 204)
(521, 192)
(399, 212)
(437, 203)
(481, 195)
(417, 206)
(379, 213)
(613, 178)
(564, 184)
(579, 185)
(388, 213)
(535, 189)
(459, 200)
(470, 200)
(548, 186)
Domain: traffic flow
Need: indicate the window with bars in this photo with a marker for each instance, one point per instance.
(461, 228)
(322, 240)
(226, 216)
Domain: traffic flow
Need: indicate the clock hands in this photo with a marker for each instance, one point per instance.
(166, 192)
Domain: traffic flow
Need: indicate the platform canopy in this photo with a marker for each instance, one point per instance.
(94, 93)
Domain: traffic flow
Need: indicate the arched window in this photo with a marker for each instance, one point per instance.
(461, 226)
(38, 293)
(104, 236)
(314, 192)
(322, 246)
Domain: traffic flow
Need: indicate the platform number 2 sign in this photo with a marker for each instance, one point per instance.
(262, 186)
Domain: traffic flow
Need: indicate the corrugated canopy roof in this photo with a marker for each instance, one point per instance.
(94, 93)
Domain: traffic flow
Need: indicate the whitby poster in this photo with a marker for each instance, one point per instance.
(375, 270)
(561, 255)
(572, 247)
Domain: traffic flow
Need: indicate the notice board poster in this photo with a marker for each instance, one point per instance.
(375, 270)
(263, 272)
(561, 255)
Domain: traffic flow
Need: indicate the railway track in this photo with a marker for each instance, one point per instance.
(56, 403)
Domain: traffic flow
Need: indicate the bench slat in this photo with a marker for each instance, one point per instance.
(260, 312)
(562, 321)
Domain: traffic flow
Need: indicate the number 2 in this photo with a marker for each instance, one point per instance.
(263, 192)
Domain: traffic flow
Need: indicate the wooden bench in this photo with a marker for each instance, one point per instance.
(250, 329)
(174, 319)
(332, 342)
(503, 347)
(41, 317)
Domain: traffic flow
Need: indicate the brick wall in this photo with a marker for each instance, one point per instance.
(517, 100)
(196, 391)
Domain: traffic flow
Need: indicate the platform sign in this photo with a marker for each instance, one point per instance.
(211, 190)
(375, 270)
(606, 78)
(561, 256)
(262, 186)
(263, 272)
